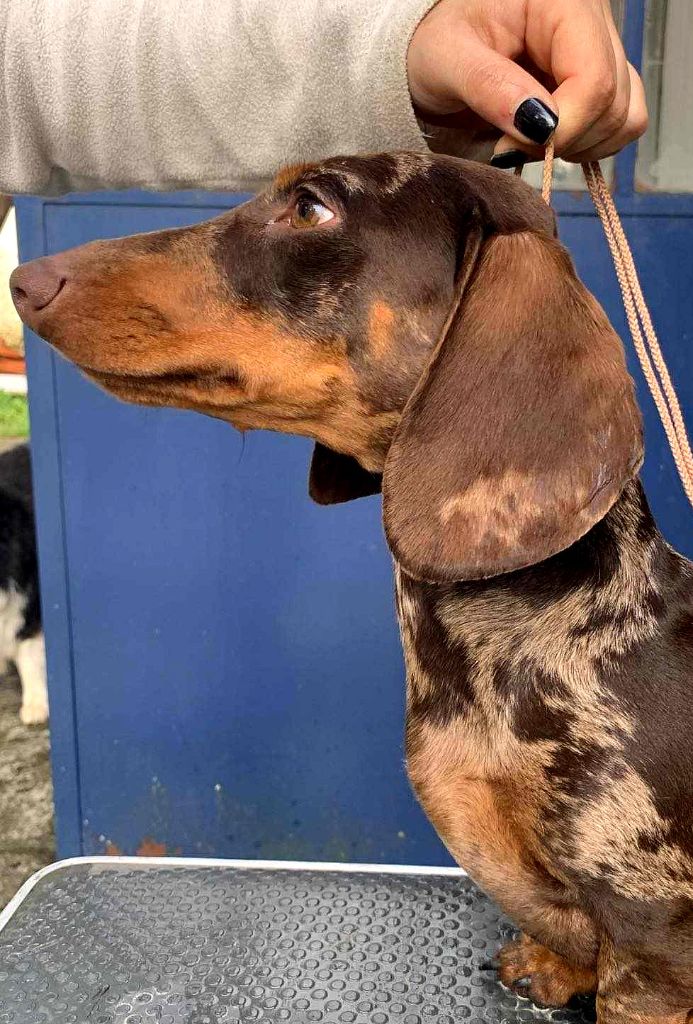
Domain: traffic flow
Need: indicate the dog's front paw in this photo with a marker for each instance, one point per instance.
(532, 971)
(34, 712)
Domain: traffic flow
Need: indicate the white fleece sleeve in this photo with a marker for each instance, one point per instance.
(213, 94)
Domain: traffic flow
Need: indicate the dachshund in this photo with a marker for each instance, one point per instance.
(416, 316)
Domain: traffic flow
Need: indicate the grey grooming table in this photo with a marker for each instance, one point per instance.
(151, 941)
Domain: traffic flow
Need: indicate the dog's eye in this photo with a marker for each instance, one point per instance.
(308, 212)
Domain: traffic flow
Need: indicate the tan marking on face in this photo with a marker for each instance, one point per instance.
(286, 383)
(159, 329)
(289, 175)
(381, 321)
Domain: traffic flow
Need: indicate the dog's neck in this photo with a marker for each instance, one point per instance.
(596, 600)
(619, 552)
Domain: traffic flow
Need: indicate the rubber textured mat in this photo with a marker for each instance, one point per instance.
(115, 943)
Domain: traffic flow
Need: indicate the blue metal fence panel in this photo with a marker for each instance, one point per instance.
(226, 675)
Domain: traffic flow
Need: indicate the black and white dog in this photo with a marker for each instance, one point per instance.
(21, 636)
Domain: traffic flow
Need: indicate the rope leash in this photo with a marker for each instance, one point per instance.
(640, 324)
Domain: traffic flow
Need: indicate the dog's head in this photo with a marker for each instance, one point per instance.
(413, 314)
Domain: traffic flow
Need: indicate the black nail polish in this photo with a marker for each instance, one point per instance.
(510, 158)
(534, 119)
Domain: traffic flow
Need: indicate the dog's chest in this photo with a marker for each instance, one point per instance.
(440, 666)
(452, 707)
(489, 691)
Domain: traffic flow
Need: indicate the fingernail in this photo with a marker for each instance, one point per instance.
(510, 158)
(534, 119)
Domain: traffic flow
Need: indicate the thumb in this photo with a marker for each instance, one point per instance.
(501, 92)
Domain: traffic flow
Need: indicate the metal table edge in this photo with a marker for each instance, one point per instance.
(202, 862)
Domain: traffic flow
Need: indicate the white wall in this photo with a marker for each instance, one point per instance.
(10, 324)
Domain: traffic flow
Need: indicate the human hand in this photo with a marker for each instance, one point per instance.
(517, 65)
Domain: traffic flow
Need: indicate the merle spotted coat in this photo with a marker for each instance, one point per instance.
(417, 317)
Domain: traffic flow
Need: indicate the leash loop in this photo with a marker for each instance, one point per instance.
(642, 330)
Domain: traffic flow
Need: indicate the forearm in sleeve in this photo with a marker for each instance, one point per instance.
(212, 94)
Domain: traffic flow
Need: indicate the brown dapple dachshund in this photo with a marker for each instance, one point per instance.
(416, 316)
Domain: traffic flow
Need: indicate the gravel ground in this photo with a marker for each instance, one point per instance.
(26, 796)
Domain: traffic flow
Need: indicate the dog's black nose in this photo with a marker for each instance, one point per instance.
(35, 285)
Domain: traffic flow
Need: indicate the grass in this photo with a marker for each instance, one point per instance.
(14, 415)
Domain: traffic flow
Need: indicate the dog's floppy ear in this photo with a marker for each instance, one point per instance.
(335, 477)
(522, 431)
